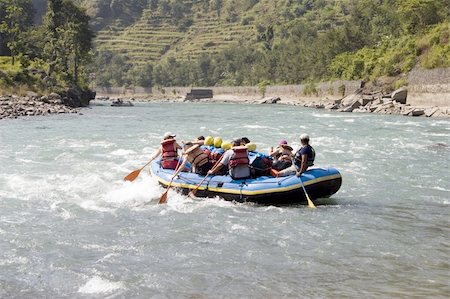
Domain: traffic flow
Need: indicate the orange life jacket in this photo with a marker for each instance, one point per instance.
(239, 157)
(169, 154)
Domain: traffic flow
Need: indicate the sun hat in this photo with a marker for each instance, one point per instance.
(285, 146)
(169, 134)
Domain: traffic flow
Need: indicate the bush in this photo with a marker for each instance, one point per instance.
(310, 89)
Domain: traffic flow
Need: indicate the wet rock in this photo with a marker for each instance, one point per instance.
(417, 112)
(270, 100)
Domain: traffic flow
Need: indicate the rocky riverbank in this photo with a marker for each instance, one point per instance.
(69, 101)
(377, 102)
(362, 101)
(14, 106)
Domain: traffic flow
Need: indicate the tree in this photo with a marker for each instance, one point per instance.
(69, 39)
(15, 17)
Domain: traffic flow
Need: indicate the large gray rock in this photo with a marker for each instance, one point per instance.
(351, 98)
(400, 95)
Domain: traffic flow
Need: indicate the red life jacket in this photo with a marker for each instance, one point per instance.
(239, 157)
(169, 154)
(215, 156)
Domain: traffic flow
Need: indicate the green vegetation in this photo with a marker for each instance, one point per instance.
(52, 56)
(231, 42)
(244, 42)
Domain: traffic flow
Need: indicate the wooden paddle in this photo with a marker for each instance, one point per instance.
(310, 203)
(192, 193)
(163, 198)
(133, 175)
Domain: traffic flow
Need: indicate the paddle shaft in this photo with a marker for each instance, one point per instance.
(310, 203)
(198, 186)
(163, 198)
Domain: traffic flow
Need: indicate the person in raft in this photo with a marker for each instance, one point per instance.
(168, 151)
(217, 152)
(303, 159)
(237, 161)
(199, 160)
(245, 141)
(282, 156)
(200, 140)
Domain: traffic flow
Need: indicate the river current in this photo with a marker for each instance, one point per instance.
(70, 227)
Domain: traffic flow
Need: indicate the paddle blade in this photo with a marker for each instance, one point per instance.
(192, 194)
(310, 203)
(163, 198)
(133, 175)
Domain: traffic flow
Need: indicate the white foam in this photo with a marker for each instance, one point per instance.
(256, 127)
(98, 285)
(238, 227)
(137, 193)
(122, 152)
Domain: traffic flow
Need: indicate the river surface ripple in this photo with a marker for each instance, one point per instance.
(70, 227)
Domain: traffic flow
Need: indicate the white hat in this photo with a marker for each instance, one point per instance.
(169, 134)
(304, 137)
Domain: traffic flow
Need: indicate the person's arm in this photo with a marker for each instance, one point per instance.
(181, 167)
(156, 154)
(219, 165)
(177, 146)
(275, 152)
(303, 166)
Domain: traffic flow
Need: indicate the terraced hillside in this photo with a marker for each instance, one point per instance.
(154, 37)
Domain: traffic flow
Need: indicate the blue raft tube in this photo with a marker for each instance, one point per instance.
(265, 190)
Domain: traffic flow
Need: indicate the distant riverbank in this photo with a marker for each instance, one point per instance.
(428, 94)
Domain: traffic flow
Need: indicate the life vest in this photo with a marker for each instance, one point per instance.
(239, 157)
(215, 155)
(169, 154)
(309, 160)
(239, 167)
(196, 156)
(206, 149)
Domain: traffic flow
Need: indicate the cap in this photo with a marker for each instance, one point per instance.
(169, 134)
(283, 141)
(304, 137)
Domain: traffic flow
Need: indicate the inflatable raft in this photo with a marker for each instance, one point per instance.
(266, 190)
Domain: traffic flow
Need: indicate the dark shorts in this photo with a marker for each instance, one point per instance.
(203, 170)
(281, 164)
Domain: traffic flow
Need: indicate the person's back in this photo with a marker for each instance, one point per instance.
(169, 159)
(238, 162)
(310, 153)
(197, 158)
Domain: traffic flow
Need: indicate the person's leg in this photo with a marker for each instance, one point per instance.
(288, 171)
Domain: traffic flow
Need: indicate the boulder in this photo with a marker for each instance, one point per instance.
(417, 112)
(400, 95)
(351, 98)
(270, 100)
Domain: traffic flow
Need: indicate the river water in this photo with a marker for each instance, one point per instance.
(71, 227)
